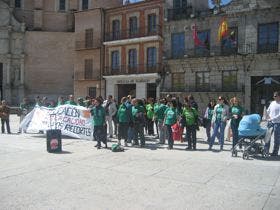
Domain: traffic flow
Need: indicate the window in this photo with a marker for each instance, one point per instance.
(17, 3)
(202, 81)
(180, 3)
(203, 49)
(89, 38)
(133, 26)
(229, 80)
(115, 60)
(116, 29)
(92, 92)
(151, 57)
(88, 68)
(178, 81)
(152, 23)
(268, 35)
(132, 58)
(62, 5)
(178, 45)
(84, 4)
(229, 43)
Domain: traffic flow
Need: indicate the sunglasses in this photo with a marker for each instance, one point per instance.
(275, 96)
(220, 99)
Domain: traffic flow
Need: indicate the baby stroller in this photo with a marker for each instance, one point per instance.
(252, 137)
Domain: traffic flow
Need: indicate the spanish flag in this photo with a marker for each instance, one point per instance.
(223, 30)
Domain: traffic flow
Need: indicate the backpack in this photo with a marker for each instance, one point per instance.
(117, 148)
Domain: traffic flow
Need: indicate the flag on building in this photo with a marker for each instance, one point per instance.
(223, 30)
(196, 40)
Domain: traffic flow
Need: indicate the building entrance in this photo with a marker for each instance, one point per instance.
(151, 90)
(1, 81)
(262, 89)
(125, 90)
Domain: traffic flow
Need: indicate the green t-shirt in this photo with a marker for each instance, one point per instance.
(160, 112)
(98, 114)
(170, 116)
(219, 112)
(191, 115)
(123, 114)
(71, 102)
(210, 113)
(150, 111)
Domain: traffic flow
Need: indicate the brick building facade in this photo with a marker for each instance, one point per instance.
(244, 63)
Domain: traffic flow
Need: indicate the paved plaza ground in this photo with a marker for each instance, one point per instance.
(82, 177)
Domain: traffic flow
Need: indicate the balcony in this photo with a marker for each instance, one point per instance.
(201, 88)
(186, 13)
(204, 52)
(88, 45)
(131, 34)
(268, 48)
(138, 69)
(81, 76)
(179, 13)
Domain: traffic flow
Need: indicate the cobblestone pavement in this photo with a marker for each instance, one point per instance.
(82, 177)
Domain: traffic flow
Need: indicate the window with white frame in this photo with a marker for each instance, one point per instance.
(202, 81)
(229, 80)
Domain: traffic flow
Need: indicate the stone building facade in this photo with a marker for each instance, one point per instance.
(133, 49)
(11, 54)
(244, 63)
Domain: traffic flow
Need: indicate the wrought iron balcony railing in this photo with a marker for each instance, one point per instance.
(94, 75)
(137, 69)
(134, 33)
(88, 44)
(268, 48)
(200, 88)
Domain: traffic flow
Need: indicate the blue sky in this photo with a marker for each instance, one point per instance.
(223, 2)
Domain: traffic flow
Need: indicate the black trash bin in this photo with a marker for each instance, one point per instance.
(54, 140)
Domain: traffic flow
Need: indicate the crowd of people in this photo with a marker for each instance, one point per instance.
(132, 118)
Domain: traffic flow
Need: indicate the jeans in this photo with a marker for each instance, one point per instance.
(191, 136)
(7, 121)
(234, 127)
(162, 132)
(99, 134)
(130, 133)
(276, 139)
(150, 124)
(139, 132)
(170, 137)
(122, 131)
(218, 125)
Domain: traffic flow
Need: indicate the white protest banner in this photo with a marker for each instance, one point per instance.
(74, 121)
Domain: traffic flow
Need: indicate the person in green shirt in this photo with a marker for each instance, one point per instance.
(138, 116)
(208, 118)
(236, 112)
(150, 116)
(156, 107)
(170, 118)
(71, 101)
(124, 117)
(60, 101)
(98, 114)
(159, 112)
(219, 120)
(81, 102)
(191, 116)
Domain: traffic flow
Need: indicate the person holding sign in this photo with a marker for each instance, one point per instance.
(98, 114)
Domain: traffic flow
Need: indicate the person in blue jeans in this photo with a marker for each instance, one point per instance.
(219, 119)
(273, 113)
